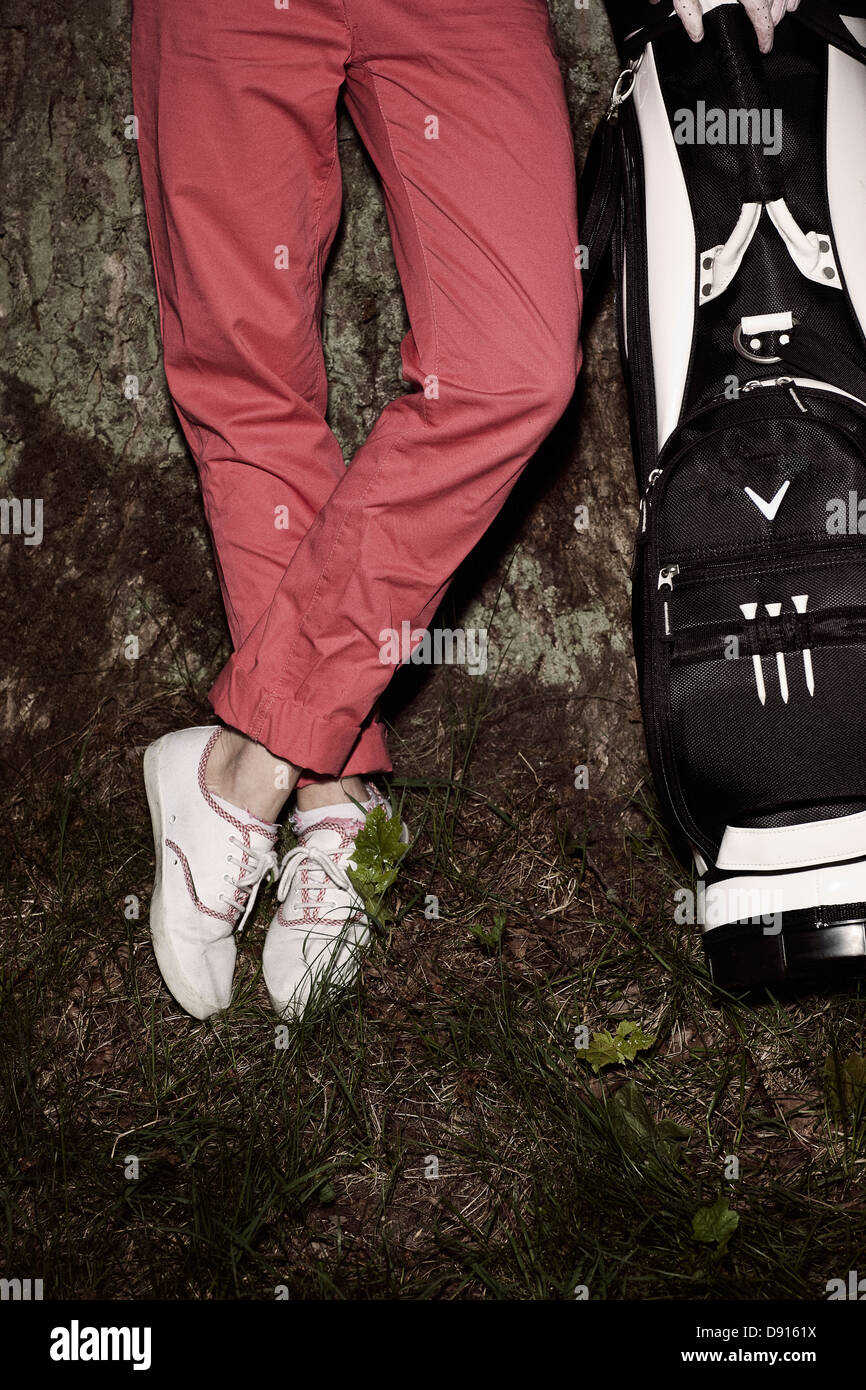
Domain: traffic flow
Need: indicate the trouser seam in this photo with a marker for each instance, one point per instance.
(427, 276)
(272, 694)
(348, 24)
(315, 273)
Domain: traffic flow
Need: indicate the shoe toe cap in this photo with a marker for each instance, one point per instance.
(301, 965)
(199, 975)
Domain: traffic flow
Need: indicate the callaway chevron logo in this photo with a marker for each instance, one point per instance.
(768, 508)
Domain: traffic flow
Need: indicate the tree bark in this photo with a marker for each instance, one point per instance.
(118, 604)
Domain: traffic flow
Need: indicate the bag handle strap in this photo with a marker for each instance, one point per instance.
(600, 185)
(825, 20)
(599, 189)
(809, 353)
(734, 47)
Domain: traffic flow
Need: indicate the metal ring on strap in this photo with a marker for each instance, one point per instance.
(623, 86)
(747, 352)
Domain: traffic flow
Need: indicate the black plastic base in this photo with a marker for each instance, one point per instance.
(745, 956)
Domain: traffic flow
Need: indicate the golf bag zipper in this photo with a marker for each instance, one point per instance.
(786, 383)
(837, 552)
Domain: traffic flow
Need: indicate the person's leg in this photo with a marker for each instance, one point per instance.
(238, 149)
(462, 108)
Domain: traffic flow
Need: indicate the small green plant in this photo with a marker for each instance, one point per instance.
(490, 939)
(609, 1049)
(652, 1145)
(378, 851)
(845, 1083)
(714, 1225)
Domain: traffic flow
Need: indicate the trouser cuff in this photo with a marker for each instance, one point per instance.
(326, 747)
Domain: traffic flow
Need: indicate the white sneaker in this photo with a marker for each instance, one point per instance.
(317, 938)
(211, 859)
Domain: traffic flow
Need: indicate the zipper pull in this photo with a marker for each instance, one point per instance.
(788, 381)
(783, 381)
(644, 502)
(666, 576)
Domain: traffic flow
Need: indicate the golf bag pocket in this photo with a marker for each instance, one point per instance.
(756, 612)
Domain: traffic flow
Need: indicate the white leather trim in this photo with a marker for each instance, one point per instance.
(766, 323)
(856, 26)
(793, 846)
(727, 256)
(670, 249)
(846, 169)
(736, 898)
(804, 248)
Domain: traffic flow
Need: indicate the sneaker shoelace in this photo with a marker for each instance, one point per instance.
(310, 869)
(264, 866)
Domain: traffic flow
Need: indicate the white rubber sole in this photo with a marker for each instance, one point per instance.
(176, 979)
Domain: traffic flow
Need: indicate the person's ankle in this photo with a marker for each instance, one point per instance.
(315, 795)
(247, 775)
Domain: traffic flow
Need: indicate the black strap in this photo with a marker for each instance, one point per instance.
(635, 25)
(811, 354)
(598, 197)
(824, 19)
(600, 187)
(734, 46)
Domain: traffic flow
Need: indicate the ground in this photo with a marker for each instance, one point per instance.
(440, 1134)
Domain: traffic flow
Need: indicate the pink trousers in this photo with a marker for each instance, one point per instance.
(461, 107)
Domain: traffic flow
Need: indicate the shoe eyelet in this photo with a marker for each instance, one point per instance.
(172, 819)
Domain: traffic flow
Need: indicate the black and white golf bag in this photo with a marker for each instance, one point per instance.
(732, 187)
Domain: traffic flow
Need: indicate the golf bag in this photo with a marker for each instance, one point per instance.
(731, 189)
